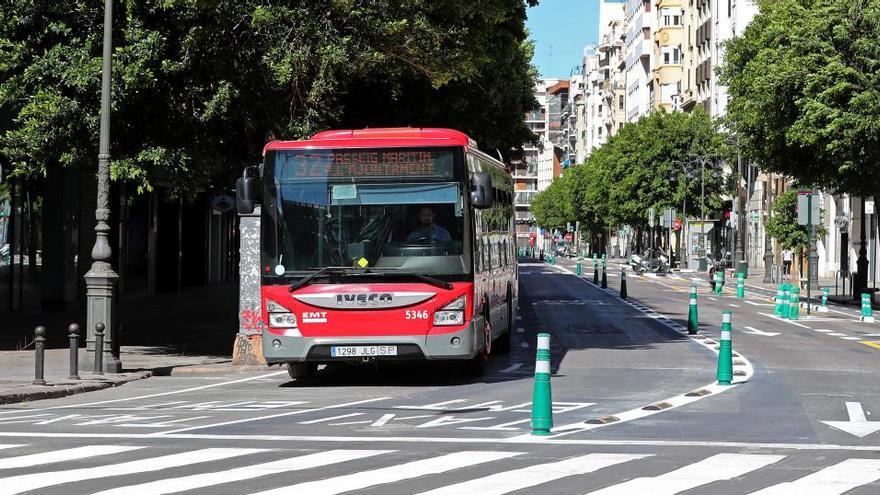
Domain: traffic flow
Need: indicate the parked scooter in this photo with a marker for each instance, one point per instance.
(5, 254)
(638, 264)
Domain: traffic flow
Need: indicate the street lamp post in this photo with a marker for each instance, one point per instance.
(101, 279)
(768, 243)
(682, 246)
(703, 159)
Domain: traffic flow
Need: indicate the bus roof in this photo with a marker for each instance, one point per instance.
(389, 137)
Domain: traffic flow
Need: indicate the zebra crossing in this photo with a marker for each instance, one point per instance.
(123, 469)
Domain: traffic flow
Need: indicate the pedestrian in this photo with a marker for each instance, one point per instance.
(787, 256)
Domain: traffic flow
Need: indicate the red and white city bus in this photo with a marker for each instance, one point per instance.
(384, 244)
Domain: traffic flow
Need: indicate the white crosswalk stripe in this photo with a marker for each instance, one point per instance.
(519, 479)
(716, 468)
(204, 480)
(410, 470)
(63, 455)
(839, 478)
(27, 482)
(481, 472)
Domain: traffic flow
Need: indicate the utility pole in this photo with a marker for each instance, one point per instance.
(101, 279)
(739, 256)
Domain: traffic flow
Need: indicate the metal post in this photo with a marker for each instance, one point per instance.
(740, 264)
(860, 281)
(101, 279)
(39, 354)
(702, 253)
(768, 242)
(99, 344)
(73, 330)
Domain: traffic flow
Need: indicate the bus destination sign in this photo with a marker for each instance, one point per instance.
(370, 163)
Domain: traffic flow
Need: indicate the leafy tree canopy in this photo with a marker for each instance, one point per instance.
(783, 225)
(804, 82)
(200, 85)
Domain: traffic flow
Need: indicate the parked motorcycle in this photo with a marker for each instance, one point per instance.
(638, 264)
(5, 254)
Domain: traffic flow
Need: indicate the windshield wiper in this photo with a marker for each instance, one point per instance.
(327, 270)
(426, 278)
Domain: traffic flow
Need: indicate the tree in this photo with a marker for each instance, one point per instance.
(783, 225)
(200, 85)
(637, 168)
(804, 85)
(550, 206)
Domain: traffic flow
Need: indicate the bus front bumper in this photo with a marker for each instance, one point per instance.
(284, 349)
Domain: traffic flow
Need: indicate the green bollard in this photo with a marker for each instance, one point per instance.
(786, 301)
(693, 316)
(578, 267)
(794, 304)
(719, 282)
(867, 312)
(542, 401)
(780, 295)
(623, 294)
(740, 286)
(725, 353)
(823, 308)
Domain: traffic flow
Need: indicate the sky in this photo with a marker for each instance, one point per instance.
(560, 30)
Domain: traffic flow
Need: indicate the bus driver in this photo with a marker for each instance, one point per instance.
(428, 230)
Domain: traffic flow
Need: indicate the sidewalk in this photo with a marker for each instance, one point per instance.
(190, 332)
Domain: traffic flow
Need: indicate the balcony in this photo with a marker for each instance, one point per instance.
(524, 198)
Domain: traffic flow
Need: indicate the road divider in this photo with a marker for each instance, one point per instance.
(623, 283)
(867, 314)
(595, 269)
(780, 300)
(542, 401)
(604, 276)
(740, 286)
(693, 315)
(725, 352)
(794, 304)
(786, 301)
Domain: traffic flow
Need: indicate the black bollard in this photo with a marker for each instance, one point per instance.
(99, 348)
(604, 278)
(623, 283)
(39, 354)
(595, 273)
(73, 330)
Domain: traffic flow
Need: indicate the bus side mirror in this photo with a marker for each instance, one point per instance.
(482, 195)
(245, 194)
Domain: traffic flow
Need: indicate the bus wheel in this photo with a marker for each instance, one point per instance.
(477, 365)
(301, 370)
(502, 345)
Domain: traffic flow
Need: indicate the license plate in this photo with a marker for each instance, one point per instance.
(363, 350)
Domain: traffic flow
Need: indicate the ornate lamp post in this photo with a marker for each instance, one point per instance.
(101, 279)
(768, 243)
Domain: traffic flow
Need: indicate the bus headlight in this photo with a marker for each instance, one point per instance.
(451, 314)
(279, 316)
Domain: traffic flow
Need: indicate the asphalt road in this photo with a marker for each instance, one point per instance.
(635, 407)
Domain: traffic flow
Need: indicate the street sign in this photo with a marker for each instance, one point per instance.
(668, 217)
(805, 209)
(651, 217)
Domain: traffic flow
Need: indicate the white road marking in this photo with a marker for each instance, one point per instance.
(518, 479)
(755, 331)
(148, 396)
(836, 334)
(734, 305)
(77, 453)
(392, 474)
(437, 406)
(383, 420)
(716, 468)
(851, 338)
(184, 483)
(785, 320)
(516, 440)
(712, 298)
(832, 480)
(35, 481)
(450, 420)
(271, 416)
(321, 420)
(502, 427)
(513, 367)
(757, 304)
(823, 330)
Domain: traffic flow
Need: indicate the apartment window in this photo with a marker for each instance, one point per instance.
(670, 54)
(620, 126)
(599, 131)
(600, 110)
(620, 102)
(670, 17)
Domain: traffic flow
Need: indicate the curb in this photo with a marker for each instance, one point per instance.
(216, 369)
(63, 389)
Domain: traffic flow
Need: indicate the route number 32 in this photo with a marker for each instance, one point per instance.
(417, 315)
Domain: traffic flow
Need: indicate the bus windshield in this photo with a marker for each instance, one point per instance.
(395, 209)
